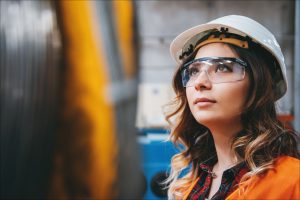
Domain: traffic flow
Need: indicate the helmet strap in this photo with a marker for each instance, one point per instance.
(223, 39)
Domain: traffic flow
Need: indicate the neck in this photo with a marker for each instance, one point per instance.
(222, 138)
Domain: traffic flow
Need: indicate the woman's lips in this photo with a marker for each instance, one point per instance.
(204, 102)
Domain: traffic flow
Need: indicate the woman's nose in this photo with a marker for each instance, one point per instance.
(202, 81)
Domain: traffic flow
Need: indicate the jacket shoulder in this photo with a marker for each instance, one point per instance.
(286, 169)
(280, 182)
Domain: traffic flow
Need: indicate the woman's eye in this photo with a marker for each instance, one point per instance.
(223, 68)
(193, 71)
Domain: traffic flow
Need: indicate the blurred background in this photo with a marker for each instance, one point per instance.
(83, 89)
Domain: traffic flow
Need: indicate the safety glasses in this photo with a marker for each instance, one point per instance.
(217, 69)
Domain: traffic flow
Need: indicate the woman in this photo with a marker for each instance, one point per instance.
(230, 75)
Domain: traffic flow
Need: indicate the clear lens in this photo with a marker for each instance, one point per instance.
(218, 70)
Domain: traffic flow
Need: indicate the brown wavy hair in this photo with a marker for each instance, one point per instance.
(262, 140)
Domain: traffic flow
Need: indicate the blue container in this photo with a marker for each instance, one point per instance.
(156, 154)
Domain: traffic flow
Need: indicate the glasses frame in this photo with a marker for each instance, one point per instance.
(232, 59)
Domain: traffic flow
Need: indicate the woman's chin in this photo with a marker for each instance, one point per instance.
(206, 121)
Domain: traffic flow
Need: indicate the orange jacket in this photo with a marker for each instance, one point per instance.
(281, 182)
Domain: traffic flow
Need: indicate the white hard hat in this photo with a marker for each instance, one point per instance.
(239, 25)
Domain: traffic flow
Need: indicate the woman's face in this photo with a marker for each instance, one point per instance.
(214, 104)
